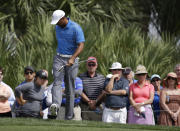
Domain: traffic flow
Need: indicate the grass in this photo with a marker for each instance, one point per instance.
(27, 124)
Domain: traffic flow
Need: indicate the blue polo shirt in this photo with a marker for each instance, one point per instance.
(69, 37)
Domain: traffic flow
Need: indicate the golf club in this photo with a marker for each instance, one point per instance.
(62, 67)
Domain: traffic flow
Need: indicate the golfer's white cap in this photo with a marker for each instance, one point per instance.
(57, 15)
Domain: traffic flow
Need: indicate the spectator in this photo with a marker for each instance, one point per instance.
(29, 74)
(177, 71)
(77, 109)
(6, 97)
(92, 95)
(156, 82)
(30, 96)
(117, 89)
(170, 102)
(141, 97)
(129, 75)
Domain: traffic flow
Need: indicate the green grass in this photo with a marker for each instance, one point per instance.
(21, 124)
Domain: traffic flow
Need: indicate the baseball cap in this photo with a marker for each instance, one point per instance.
(155, 76)
(42, 74)
(92, 59)
(29, 68)
(127, 70)
(57, 15)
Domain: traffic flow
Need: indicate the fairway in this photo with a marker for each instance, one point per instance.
(27, 124)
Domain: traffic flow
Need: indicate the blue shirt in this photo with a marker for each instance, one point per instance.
(78, 91)
(156, 100)
(69, 37)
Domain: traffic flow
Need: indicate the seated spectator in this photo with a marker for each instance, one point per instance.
(77, 109)
(170, 102)
(156, 82)
(141, 97)
(7, 97)
(129, 75)
(30, 96)
(177, 71)
(29, 74)
(92, 95)
(117, 89)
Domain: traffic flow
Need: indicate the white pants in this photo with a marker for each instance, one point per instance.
(116, 116)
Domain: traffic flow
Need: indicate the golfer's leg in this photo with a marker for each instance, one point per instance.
(58, 77)
(70, 76)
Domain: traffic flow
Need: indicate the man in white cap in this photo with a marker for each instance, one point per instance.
(117, 89)
(70, 38)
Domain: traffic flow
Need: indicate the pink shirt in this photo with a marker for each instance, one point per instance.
(141, 94)
(4, 104)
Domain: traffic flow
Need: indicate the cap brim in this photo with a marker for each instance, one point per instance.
(141, 73)
(54, 22)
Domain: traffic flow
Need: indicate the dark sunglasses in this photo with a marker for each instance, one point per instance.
(27, 73)
(91, 64)
(141, 74)
(155, 80)
(116, 69)
(171, 78)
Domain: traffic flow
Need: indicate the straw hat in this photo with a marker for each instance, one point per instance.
(141, 70)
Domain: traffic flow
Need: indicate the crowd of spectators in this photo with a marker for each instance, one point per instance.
(123, 96)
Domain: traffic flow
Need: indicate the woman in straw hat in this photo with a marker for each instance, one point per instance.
(141, 97)
(170, 102)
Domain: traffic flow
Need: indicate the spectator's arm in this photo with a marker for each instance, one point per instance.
(101, 96)
(11, 98)
(118, 92)
(85, 98)
(131, 98)
(150, 100)
(110, 85)
(163, 101)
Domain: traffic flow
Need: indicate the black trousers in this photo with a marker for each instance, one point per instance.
(6, 114)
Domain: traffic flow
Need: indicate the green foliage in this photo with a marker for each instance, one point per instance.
(113, 32)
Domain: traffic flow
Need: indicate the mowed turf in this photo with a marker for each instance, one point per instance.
(27, 124)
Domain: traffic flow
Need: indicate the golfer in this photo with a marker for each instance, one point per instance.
(70, 38)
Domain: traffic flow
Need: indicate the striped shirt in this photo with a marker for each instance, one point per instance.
(92, 86)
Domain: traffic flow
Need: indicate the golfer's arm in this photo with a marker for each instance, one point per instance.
(78, 50)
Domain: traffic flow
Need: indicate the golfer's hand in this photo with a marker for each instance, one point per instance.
(70, 62)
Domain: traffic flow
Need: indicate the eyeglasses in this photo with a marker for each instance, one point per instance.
(91, 64)
(154, 80)
(27, 73)
(171, 78)
(116, 69)
(141, 74)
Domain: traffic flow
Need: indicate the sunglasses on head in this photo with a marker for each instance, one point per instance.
(171, 78)
(29, 73)
(91, 64)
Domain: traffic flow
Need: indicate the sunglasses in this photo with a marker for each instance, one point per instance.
(116, 69)
(141, 74)
(91, 64)
(155, 80)
(171, 78)
(27, 73)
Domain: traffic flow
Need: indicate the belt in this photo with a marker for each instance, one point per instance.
(66, 56)
(115, 108)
